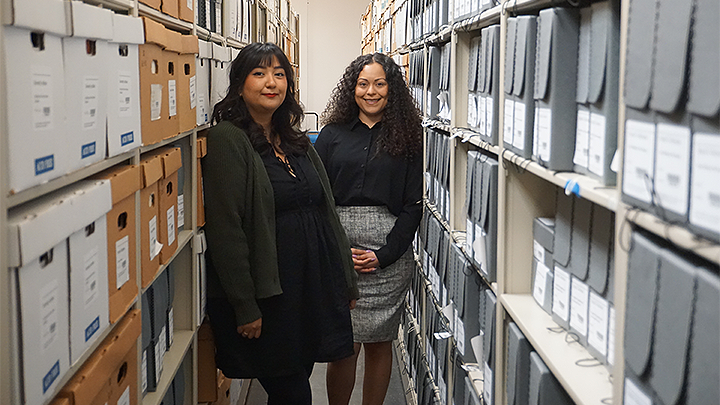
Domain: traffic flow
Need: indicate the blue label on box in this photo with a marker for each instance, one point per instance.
(92, 328)
(127, 138)
(88, 150)
(44, 164)
(51, 376)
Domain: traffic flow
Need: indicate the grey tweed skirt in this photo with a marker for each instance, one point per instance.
(376, 316)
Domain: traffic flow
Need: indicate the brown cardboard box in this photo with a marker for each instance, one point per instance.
(186, 11)
(60, 400)
(171, 159)
(153, 83)
(207, 371)
(151, 173)
(124, 380)
(152, 3)
(171, 8)
(171, 66)
(91, 384)
(124, 182)
(201, 152)
(186, 86)
(223, 390)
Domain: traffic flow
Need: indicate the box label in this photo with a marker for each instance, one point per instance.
(171, 326)
(639, 160)
(508, 122)
(155, 246)
(541, 272)
(41, 85)
(125, 397)
(51, 376)
(488, 385)
(122, 261)
(469, 236)
(482, 115)
(634, 395)
(489, 116)
(91, 88)
(91, 277)
(598, 323)
(472, 110)
(672, 167)
(49, 314)
(479, 245)
(88, 150)
(163, 350)
(144, 371)
(127, 138)
(460, 334)
(170, 214)
(172, 98)
(538, 251)
(158, 361)
(519, 126)
(92, 328)
(544, 118)
(582, 139)
(155, 101)
(611, 337)
(192, 92)
(705, 187)
(579, 306)
(124, 94)
(597, 144)
(44, 164)
(561, 294)
(181, 210)
(202, 114)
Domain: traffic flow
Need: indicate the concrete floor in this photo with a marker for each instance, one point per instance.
(395, 394)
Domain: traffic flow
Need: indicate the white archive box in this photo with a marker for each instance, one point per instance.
(35, 95)
(38, 233)
(86, 56)
(89, 294)
(203, 60)
(219, 73)
(123, 101)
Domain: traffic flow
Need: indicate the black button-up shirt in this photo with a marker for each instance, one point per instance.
(363, 175)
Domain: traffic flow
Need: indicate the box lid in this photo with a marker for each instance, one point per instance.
(39, 15)
(36, 227)
(171, 160)
(151, 171)
(90, 21)
(221, 53)
(190, 44)
(201, 147)
(174, 41)
(127, 30)
(204, 49)
(124, 181)
(155, 33)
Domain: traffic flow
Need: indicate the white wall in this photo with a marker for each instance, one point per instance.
(329, 41)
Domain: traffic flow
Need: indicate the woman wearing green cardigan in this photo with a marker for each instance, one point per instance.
(280, 274)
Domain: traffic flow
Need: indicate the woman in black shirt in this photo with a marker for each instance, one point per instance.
(371, 147)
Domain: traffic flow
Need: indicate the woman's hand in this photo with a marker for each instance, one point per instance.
(352, 304)
(251, 330)
(365, 261)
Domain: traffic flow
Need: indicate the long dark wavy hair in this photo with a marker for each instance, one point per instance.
(286, 119)
(401, 132)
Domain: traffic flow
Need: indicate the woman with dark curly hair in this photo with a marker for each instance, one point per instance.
(372, 150)
(280, 275)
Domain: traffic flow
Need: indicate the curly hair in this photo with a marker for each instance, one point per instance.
(286, 119)
(401, 132)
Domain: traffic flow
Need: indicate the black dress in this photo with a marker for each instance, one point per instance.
(310, 321)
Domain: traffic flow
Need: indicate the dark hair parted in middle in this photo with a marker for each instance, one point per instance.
(401, 132)
(286, 119)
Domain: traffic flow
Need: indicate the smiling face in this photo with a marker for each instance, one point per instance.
(371, 93)
(264, 90)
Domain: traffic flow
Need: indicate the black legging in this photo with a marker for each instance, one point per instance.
(291, 389)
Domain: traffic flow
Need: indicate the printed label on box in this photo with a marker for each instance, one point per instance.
(538, 251)
(582, 139)
(127, 138)
(91, 277)
(181, 210)
(639, 165)
(93, 327)
(508, 122)
(611, 337)
(155, 101)
(171, 326)
(672, 167)
(88, 150)
(158, 362)
(170, 214)
(125, 397)
(202, 113)
(41, 85)
(479, 245)
(172, 98)
(634, 395)
(144, 371)
(124, 94)
(597, 144)
(44, 164)
(705, 187)
(598, 323)
(544, 118)
(482, 117)
(51, 376)
(122, 261)
(519, 126)
(579, 306)
(192, 92)
(91, 88)
(154, 248)
(561, 294)
(488, 385)
(460, 335)
(489, 116)
(541, 272)
(49, 314)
